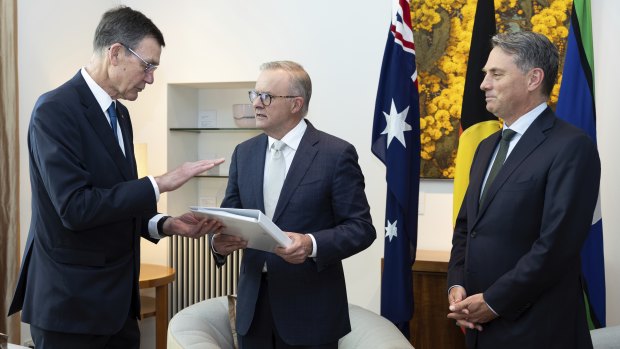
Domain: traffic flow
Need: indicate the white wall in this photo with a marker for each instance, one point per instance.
(341, 45)
(606, 28)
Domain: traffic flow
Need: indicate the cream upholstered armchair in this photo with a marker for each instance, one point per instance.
(207, 325)
(606, 338)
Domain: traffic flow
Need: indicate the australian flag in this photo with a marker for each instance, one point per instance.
(396, 142)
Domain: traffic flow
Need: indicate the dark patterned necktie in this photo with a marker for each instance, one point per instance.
(499, 160)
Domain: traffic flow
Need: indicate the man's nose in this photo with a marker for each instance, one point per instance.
(149, 78)
(485, 85)
(257, 103)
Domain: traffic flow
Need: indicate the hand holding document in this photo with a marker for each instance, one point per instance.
(251, 225)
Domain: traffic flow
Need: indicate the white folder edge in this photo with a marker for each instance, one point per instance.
(251, 225)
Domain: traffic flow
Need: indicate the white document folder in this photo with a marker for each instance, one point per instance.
(251, 225)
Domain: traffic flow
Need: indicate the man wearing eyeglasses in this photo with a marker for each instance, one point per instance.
(78, 286)
(310, 184)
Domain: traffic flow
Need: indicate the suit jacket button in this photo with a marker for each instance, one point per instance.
(473, 234)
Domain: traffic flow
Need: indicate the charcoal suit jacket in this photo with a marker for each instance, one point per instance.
(521, 246)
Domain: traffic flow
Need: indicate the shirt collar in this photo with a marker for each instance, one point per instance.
(293, 137)
(524, 122)
(102, 97)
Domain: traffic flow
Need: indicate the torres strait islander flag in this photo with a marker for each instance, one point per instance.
(396, 142)
(576, 105)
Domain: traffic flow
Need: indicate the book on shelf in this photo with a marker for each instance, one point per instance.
(251, 225)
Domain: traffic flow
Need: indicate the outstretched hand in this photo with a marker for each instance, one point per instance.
(189, 226)
(180, 175)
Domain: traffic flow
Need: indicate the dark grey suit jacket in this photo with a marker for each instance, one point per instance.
(81, 264)
(323, 194)
(521, 247)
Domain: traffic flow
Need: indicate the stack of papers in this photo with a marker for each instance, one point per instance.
(251, 225)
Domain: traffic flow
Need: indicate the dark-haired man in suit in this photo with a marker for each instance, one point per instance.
(514, 273)
(295, 297)
(78, 286)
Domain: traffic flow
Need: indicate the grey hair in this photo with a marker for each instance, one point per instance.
(301, 85)
(124, 25)
(531, 50)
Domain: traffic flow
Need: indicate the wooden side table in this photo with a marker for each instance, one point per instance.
(429, 327)
(158, 276)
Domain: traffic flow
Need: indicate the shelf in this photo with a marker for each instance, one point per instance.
(147, 307)
(212, 129)
(201, 125)
(223, 85)
(211, 176)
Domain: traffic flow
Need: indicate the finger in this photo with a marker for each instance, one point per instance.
(226, 238)
(466, 324)
(211, 225)
(209, 164)
(459, 307)
(227, 248)
(457, 316)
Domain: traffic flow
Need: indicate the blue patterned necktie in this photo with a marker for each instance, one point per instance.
(113, 119)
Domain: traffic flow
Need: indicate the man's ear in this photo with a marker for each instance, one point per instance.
(114, 52)
(298, 104)
(535, 78)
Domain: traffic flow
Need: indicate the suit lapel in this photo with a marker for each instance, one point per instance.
(479, 169)
(257, 171)
(101, 126)
(301, 163)
(531, 139)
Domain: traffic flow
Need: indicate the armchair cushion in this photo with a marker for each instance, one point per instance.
(606, 338)
(206, 325)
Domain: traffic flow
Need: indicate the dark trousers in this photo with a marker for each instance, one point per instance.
(127, 338)
(263, 333)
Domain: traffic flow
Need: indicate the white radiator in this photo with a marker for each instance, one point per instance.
(197, 276)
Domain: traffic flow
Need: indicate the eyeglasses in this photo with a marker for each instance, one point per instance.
(265, 97)
(149, 66)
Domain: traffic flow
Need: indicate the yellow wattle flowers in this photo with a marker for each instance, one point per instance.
(443, 29)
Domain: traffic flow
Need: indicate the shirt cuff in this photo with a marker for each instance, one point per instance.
(313, 254)
(488, 305)
(153, 232)
(155, 188)
(213, 247)
(451, 287)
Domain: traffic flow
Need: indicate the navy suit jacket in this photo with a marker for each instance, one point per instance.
(323, 194)
(521, 247)
(81, 264)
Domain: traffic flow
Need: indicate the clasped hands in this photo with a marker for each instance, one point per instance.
(296, 253)
(470, 312)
